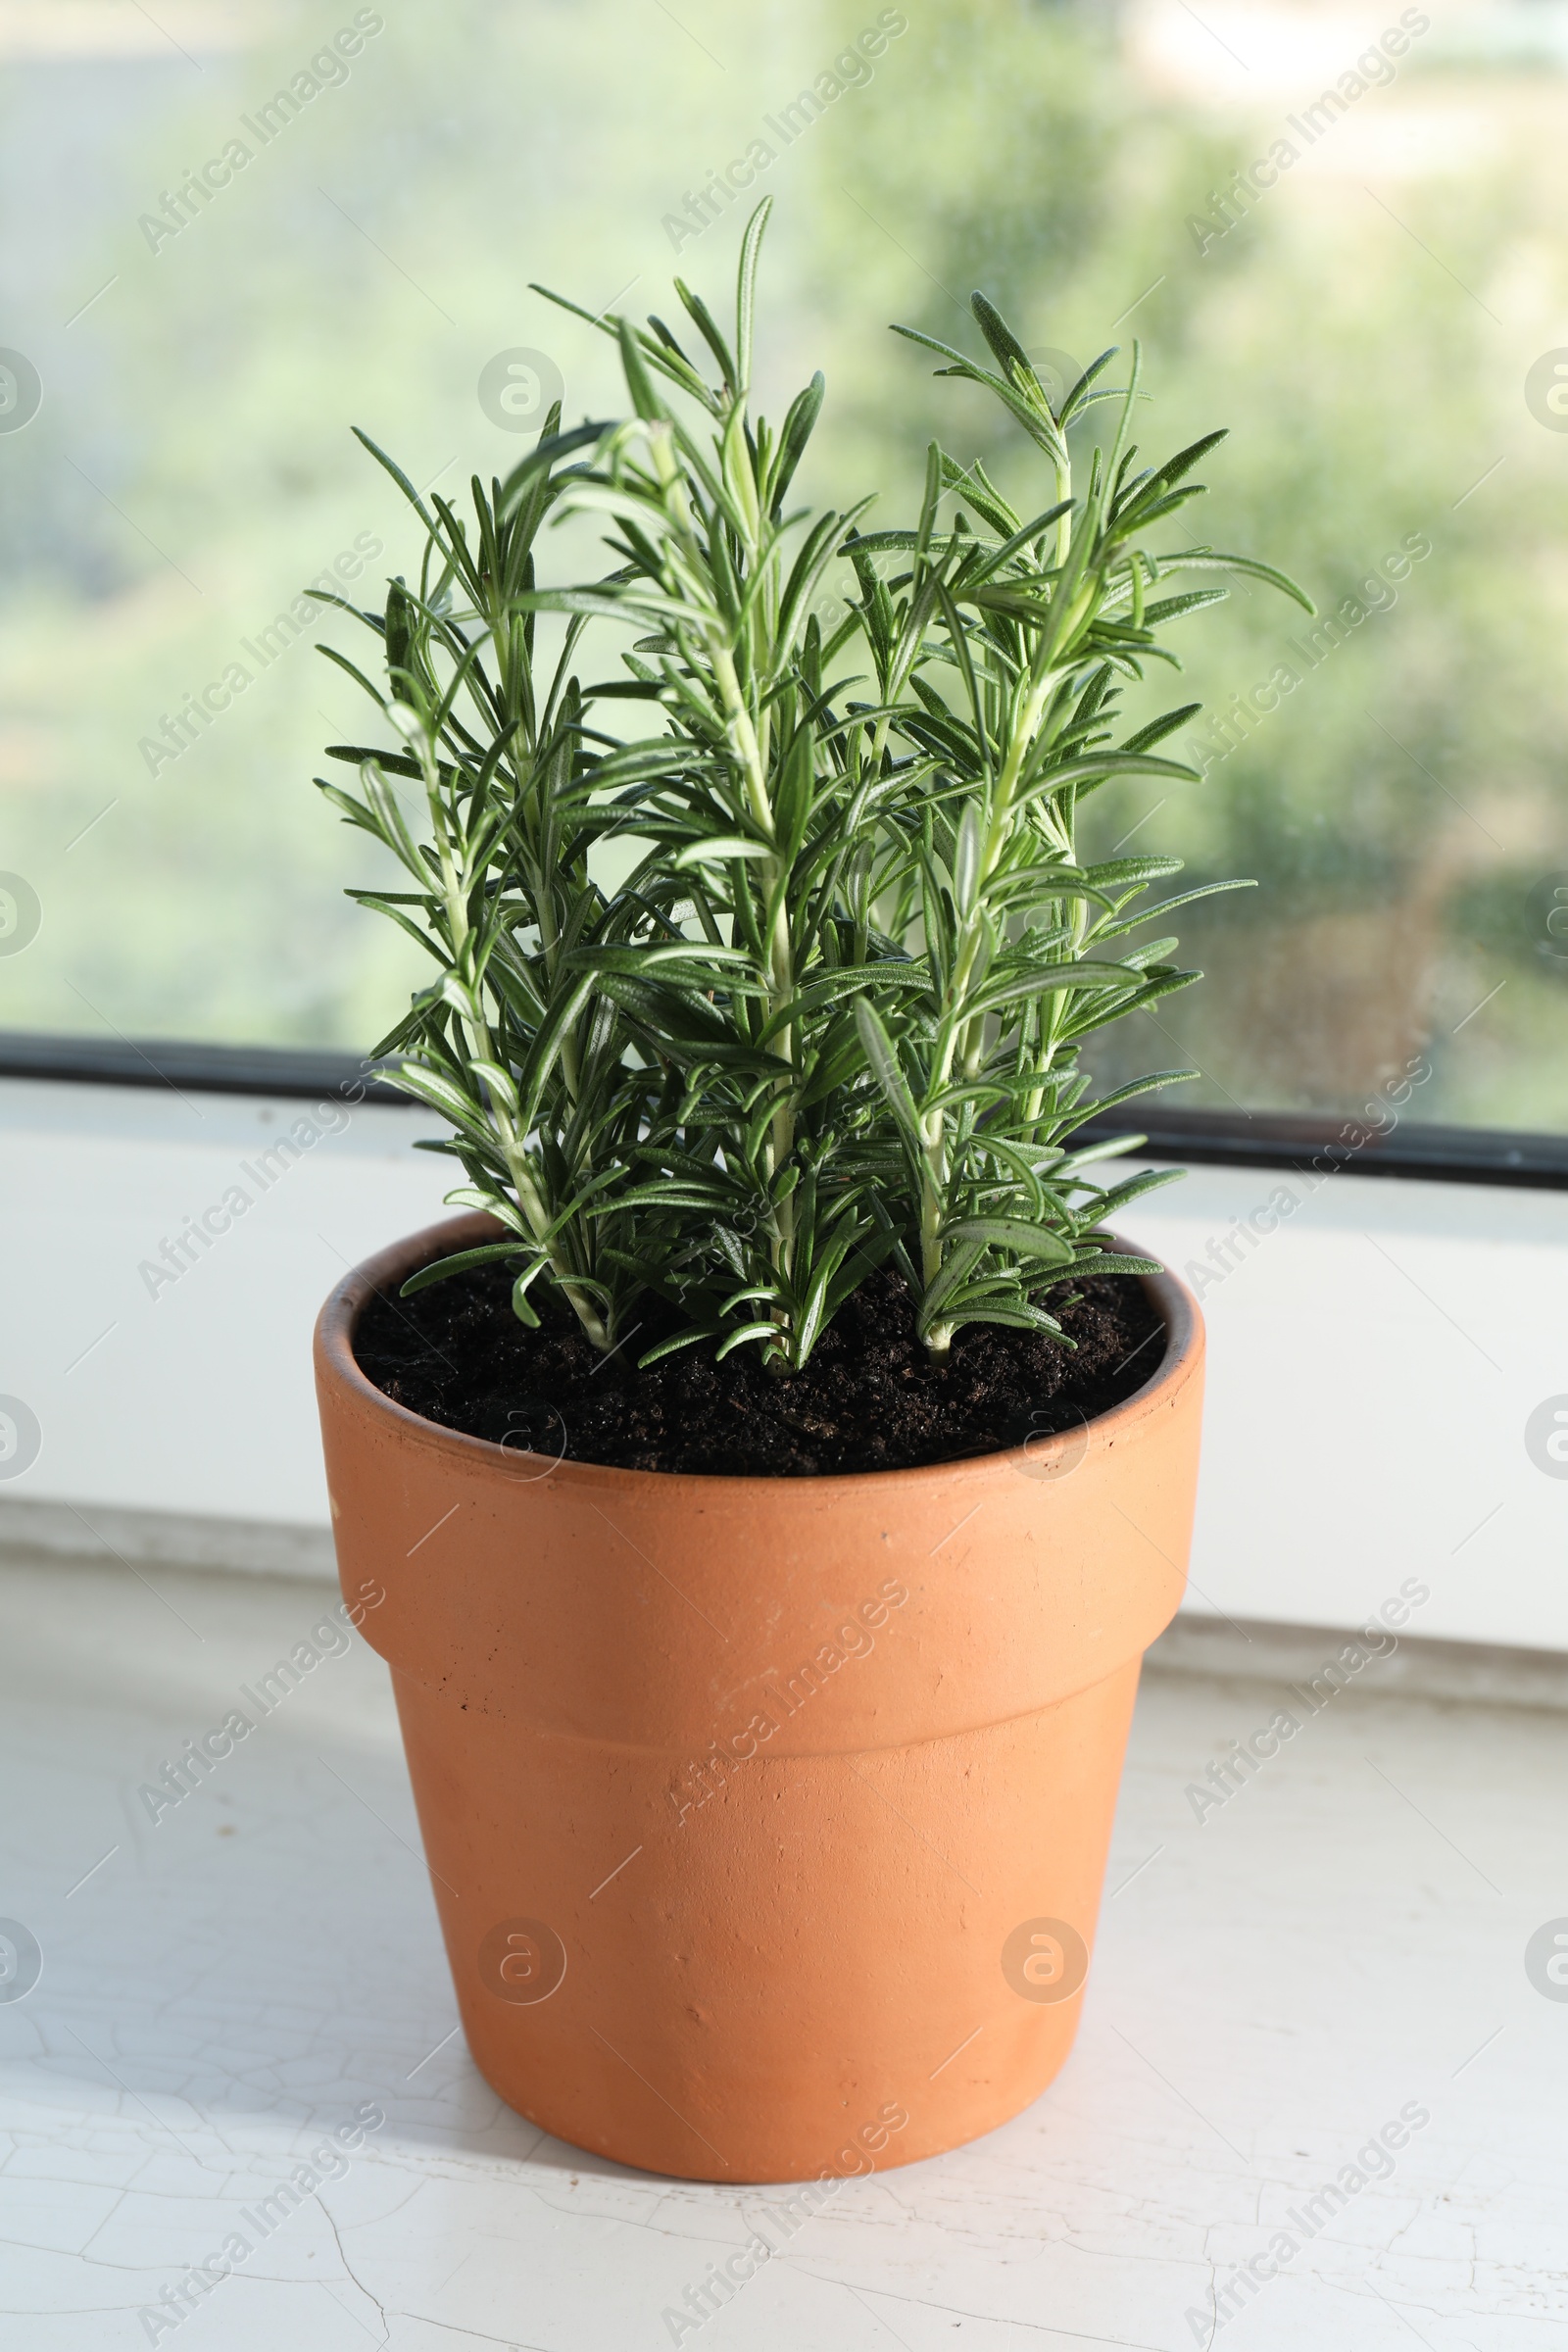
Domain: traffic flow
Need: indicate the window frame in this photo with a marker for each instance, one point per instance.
(1300, 1141)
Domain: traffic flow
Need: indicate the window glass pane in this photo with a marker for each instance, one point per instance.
(237, 231)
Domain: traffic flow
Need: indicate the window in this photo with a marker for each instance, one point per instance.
(1334, 228)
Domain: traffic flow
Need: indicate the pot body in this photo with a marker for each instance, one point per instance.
(766, 1817)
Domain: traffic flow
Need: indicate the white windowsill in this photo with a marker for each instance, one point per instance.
(1373, 1361)
(1339, 1941)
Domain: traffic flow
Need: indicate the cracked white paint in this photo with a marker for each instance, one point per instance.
(220, 1995)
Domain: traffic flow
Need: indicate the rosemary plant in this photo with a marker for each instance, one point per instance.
(1026, 630)
(833, 1017)
(770, 801)
(511, 1040)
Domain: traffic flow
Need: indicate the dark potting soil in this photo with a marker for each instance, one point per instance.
(871, 1396)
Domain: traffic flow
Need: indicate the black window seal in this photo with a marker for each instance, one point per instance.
(1302, 1141)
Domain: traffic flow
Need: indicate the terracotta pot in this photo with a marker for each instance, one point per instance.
(766, 1817)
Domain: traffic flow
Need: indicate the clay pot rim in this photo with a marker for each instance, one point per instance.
(346, 1301)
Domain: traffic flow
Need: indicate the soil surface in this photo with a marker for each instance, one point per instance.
(870, 1398)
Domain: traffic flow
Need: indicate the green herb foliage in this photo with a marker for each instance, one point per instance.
(832, 1017)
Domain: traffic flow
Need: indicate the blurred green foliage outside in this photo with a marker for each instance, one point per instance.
(1365, 323)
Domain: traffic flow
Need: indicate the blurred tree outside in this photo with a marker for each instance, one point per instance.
(1365, 325)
